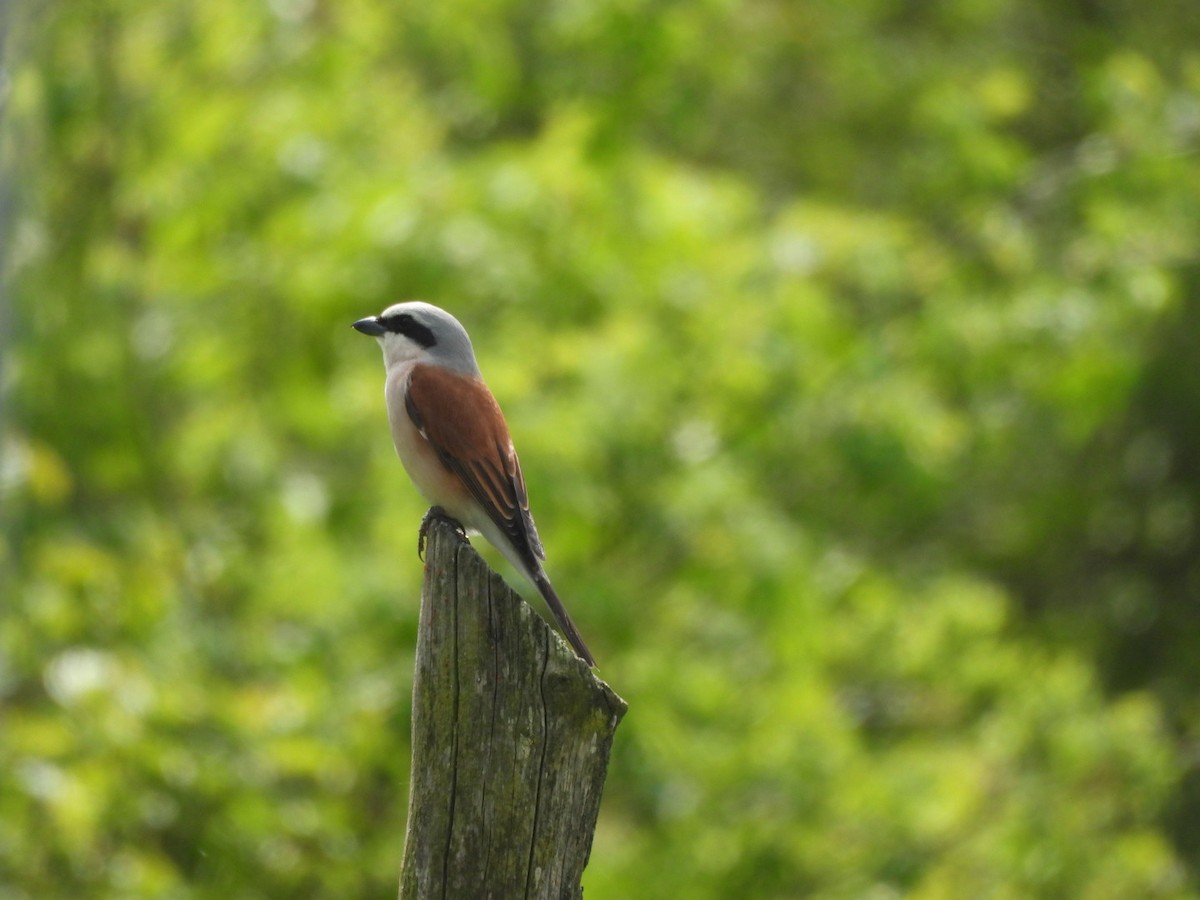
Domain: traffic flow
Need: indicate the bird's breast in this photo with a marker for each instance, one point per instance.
(431, 477)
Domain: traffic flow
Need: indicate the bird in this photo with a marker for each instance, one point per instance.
(454, 443)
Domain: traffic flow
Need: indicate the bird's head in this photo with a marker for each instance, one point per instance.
(421, 332)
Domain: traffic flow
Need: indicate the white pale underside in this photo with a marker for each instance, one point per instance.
(436, 483)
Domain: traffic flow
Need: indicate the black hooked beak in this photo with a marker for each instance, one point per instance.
(370, 325)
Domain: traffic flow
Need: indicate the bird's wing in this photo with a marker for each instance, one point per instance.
(470, 437)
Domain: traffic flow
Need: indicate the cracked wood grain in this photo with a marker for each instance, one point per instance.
(511, 736)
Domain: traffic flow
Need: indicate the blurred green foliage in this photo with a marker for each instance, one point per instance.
(851, 352)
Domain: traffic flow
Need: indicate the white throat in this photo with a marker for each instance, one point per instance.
(400, 351)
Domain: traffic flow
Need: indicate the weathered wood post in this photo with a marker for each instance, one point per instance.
(511, 735)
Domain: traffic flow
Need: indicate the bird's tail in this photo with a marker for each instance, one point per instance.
(564, 621)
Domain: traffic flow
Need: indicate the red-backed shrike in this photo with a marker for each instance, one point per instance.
(453, 441)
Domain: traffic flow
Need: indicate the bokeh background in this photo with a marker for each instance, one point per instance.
(852, 353)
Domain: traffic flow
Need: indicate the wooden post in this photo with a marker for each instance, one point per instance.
(511, 735)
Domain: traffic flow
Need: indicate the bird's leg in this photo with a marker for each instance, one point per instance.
(436, 512)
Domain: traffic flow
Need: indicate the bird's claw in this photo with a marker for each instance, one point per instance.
(436, 512)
